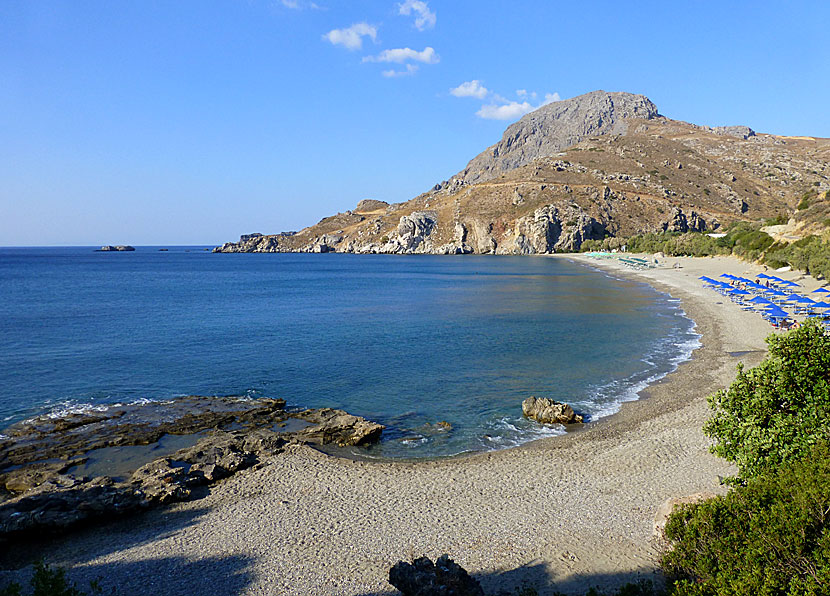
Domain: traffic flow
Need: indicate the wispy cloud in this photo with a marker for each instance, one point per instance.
(424, 17)
(411, 69)
(472, 88)
(499, 107)
(299, 4)
(401, 55)
(352, 38)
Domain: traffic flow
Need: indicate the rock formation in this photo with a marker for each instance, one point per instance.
(119, 248)
(422, 577)
(39, 491)
(548, 411)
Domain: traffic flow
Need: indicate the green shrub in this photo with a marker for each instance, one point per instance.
(49, 582)
(775, 412)
(769, 537)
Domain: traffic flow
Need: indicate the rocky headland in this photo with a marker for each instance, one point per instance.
(594, 166)
(57, 472)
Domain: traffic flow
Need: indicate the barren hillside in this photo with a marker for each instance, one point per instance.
(597, 165)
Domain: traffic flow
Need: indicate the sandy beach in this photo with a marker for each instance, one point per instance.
(559, 514)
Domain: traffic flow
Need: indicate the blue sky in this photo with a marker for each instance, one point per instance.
(191, 122)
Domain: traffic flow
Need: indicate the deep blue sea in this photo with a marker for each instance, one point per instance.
(407, 341)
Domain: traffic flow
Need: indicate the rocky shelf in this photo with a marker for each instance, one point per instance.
(58, 473)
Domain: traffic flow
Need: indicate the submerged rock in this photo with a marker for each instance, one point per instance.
(548, 411)
(422, 577)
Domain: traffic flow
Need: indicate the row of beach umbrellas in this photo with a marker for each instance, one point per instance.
(773, 296)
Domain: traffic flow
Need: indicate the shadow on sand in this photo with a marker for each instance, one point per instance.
(533, 580)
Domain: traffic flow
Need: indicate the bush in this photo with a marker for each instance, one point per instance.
(49, 582)
(776, 412)
(767, 537)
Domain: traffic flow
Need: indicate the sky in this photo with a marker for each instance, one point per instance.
(191, 122)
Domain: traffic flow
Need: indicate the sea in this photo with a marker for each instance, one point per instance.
(407, 341)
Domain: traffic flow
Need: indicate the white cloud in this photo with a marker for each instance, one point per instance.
(499, 107)
(424, 17)
(411, 69)
(401, 55)
(352, 38)
(472, 88)
(507, 111)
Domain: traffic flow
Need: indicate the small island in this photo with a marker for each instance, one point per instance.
(120, 248)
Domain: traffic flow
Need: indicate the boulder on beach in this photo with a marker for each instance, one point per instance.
(548, 411)
(422, 577)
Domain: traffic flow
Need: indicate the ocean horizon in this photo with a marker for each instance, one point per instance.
(407, 341)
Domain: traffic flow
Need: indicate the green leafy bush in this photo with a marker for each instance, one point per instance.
(768, 537)
(775, 412)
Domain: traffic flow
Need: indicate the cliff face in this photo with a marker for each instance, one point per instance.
(596, 165)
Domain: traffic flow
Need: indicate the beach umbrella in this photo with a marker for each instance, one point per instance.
(760, 300)
(821, 290)
(764, 275)
(792, 298)
(820, 305)
(805, 300)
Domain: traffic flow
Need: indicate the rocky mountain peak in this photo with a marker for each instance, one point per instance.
(557, 126)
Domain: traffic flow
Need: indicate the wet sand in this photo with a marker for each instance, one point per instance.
(559, 514)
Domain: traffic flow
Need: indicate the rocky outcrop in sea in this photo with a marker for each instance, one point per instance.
(118, 248)
(52, 478)
(548, 411)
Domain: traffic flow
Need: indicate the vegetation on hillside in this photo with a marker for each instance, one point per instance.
(743, 239)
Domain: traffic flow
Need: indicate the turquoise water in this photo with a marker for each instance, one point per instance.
(406, 341)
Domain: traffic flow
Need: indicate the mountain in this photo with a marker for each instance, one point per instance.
(600, 164)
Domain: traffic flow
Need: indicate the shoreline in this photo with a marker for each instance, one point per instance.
(561, 513)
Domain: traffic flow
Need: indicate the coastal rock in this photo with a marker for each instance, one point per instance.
(548, 411)
(422, 577)
(119, 248)
(26, 478)
(414, 229)
(338, 427)
(551, 229)
(40, 495)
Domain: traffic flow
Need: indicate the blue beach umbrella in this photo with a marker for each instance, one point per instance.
(760, 300)
(820, 305)
(821, 291)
